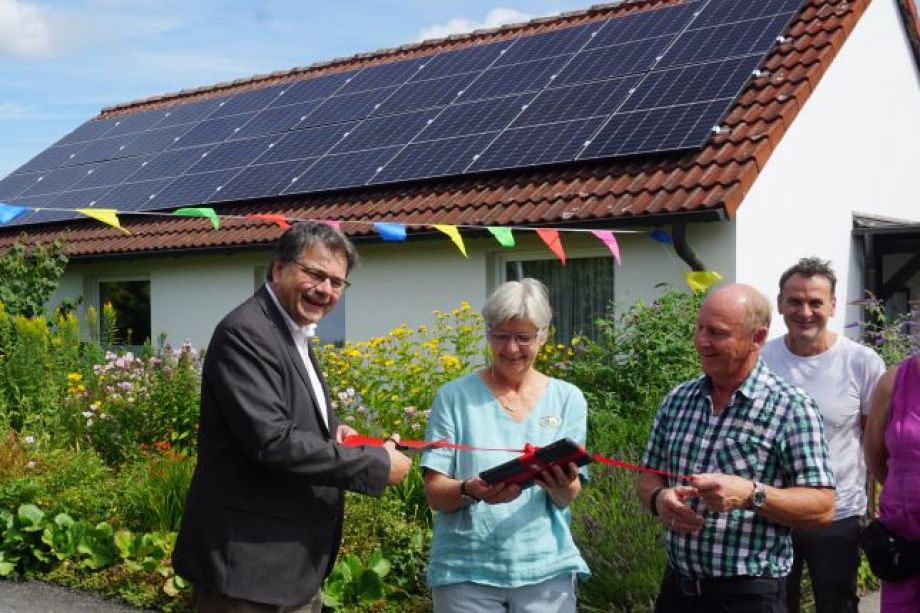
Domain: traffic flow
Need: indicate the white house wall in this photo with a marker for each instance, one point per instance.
(852, 148)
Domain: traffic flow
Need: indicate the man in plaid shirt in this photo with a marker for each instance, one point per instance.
(755, 448)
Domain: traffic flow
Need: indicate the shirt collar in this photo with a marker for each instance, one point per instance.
(297, 330)
(754, 385)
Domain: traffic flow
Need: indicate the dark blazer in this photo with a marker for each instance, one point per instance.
(263, 517)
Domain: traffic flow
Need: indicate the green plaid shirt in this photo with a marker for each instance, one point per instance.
(771, 432)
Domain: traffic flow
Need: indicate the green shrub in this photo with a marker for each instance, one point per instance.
(29, 274)
(152, 491)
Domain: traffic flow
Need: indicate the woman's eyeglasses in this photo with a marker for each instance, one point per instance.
(522, 339)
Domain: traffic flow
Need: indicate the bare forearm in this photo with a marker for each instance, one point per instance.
(799, 507)
(646, 485)
(442, 492)
(563, 497)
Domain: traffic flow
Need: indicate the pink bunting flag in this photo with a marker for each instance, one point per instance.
(278, 220)
(332, 223)
(607, 237)
(553, 241)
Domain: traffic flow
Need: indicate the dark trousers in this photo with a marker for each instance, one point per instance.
(728, 595)
(832, 555)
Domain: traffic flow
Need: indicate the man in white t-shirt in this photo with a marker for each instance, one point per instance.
(839, 374)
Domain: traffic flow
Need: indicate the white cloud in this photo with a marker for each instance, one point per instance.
(27, 30)
(460, 25)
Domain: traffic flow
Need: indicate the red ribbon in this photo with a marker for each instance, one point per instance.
(355, 440)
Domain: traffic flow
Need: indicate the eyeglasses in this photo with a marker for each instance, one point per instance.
(338, 284)
(522, 340)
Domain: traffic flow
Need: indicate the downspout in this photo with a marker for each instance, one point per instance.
(683, 248)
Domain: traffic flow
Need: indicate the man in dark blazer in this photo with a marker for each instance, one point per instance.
(263, 518)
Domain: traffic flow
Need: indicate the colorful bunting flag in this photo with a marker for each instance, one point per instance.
(106, 216)
(661, 236)
(278, 220)
(701, 280)
(392, 232)
(503, 235)
(552, 240)
(454, 235)
(332, 223)
(200, 212)
(8, 212)
(610, 240)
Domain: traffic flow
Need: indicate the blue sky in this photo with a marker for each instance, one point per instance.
(62, 61)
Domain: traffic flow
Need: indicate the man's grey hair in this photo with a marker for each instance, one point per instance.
(526, 299)
(759, 311)
(304, 236)
(810, 267)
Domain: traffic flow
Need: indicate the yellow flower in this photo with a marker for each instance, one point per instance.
(73, 377)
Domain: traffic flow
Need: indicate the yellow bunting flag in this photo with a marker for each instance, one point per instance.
(106, 216)
(503, 235)
(454, 235)
(196, 211)
(702, 280)
(553, 241)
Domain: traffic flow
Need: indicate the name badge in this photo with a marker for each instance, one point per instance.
(550, 421)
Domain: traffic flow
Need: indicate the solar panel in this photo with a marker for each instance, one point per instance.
(384, 131)
(753, 36)
(112, 172)
(381, 76)
(599, 98)
(665, 129)
(169, 164)
(232, 154)
(426, 94)
(347, 107)
(212, 131)
(470, 59)
(435, 158)
(155, 141)
(653, 80)
(312, 89)
(261, 180)
(614, 61)
(644, 25)
(277, 119)
(57, 180)
(244, 102)
(717, 12)
(475, 117)
(15, 184)
(514, 79)
(90, 130)
(192, 189)
(343, 170)
(134, 196)
(307, 143)
(565, 41)
(532, 145)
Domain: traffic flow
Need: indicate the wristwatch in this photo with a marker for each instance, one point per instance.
(466, 498)
(758, 496)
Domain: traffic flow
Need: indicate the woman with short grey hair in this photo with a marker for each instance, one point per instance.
(498, 547)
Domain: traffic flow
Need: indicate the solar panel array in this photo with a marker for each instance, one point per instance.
(652, 81)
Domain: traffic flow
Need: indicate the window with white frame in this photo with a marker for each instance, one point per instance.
(581, 292)
(131, 301)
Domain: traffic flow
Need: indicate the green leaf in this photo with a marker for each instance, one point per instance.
(370, 587)
(6, 569)
(30, 518)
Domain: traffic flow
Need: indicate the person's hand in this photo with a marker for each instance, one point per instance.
(560, 483)
(399, 462)
(342, 431)
(674, 512)
(721, 493)
(497, 493)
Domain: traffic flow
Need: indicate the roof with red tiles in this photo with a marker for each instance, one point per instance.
(709, 183)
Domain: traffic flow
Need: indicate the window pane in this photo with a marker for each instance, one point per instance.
(131, 301)
(580, 292)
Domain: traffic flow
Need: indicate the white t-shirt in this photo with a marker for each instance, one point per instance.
(841, 381)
